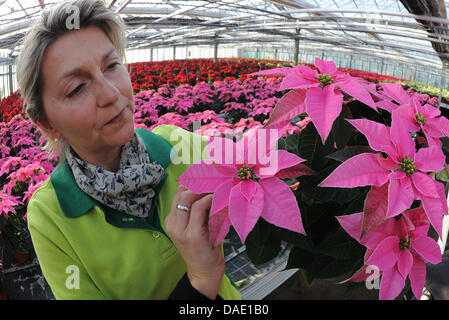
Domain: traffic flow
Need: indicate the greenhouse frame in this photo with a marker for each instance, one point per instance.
(383, 41)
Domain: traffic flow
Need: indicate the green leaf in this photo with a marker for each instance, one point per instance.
(349, 152)
(291, 142)
(309, 185)
(324, 267)
(445, 147)
(340, 245)
(312, 149)
(294, 238)
(342, 130)
(262, 245)
(299, 258)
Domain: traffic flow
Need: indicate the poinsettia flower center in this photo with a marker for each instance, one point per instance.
(420, 119)
(404, 243)
(325, 79)
(407, 166)
(246, 173)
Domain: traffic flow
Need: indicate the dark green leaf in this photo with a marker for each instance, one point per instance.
(299, 258)
(262, 245)
(445, 147)
(342, 130)
(309, 185)
(349, 152)
(294, 238)
(324, 267)
(312, 149)
(340, 245)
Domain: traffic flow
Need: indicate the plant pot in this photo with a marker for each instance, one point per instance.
(21, 257)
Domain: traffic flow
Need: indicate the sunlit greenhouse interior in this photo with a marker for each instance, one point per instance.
(209, 62)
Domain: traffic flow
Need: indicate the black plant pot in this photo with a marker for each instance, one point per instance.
(22, 281)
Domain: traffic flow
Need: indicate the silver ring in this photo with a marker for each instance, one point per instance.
(182, 207)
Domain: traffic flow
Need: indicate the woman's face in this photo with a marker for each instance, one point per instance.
(87, 93)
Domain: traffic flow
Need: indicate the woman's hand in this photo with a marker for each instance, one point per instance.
(189, 232)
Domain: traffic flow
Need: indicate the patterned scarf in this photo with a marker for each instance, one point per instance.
(130, 189)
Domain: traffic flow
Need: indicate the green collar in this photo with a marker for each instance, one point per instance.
(74, 202)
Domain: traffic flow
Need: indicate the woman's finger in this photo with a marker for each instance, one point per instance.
(199, 215)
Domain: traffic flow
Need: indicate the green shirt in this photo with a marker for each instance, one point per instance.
(87, 251)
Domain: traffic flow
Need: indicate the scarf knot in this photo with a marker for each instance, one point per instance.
(129, 190)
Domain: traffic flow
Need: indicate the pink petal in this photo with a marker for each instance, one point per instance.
(388, 163)
(248, 189)
(386, 254)
(372, 239)
(429, 111)
(221, 195)
(430, 159)
(219, 224)
(408, 115)
(307, 72)
(360, 170)
(418, 218)
(435, 210)
(375, 208)
(202, 178)
(405, 262)
(352, 224)
(377, 134)
(391, 284)
(366, 273)
(386, 105)
(427, 248)
(434, 128)
(396, 92)
(280, 205)
(417, 276)
(327, 67)
(323, 105)
(295, 171)
(289, 106)
(243, 213)
(401, 137)
(297, 81)
(353, 87)
(221, 151)
(444, 125)
(278, 160)
(400, 195)
(425, 185)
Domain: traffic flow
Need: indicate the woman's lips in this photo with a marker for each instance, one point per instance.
(117, 118)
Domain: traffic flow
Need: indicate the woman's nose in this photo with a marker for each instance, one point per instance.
(107, 92)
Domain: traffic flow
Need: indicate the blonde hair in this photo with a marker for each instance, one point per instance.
(54, 23)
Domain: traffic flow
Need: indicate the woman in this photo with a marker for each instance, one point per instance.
(111, 222)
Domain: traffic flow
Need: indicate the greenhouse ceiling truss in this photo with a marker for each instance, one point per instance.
(391, 26)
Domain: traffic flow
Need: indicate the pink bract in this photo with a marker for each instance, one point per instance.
(318, 93)
(404, 169)
(398, 248)
(245, 186)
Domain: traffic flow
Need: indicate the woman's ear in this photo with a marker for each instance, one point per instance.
(47, 129)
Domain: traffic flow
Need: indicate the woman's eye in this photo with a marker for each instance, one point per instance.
(75, 91)
(113, 65)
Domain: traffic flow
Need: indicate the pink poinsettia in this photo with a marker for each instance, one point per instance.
(322, 101)
(416, 117)
(7, 204)
(390, 93)
(245, 179)
(397, 248)
(404, 169)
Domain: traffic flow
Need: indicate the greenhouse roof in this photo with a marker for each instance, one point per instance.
(383, 28)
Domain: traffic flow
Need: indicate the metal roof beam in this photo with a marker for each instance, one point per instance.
(123, 6)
